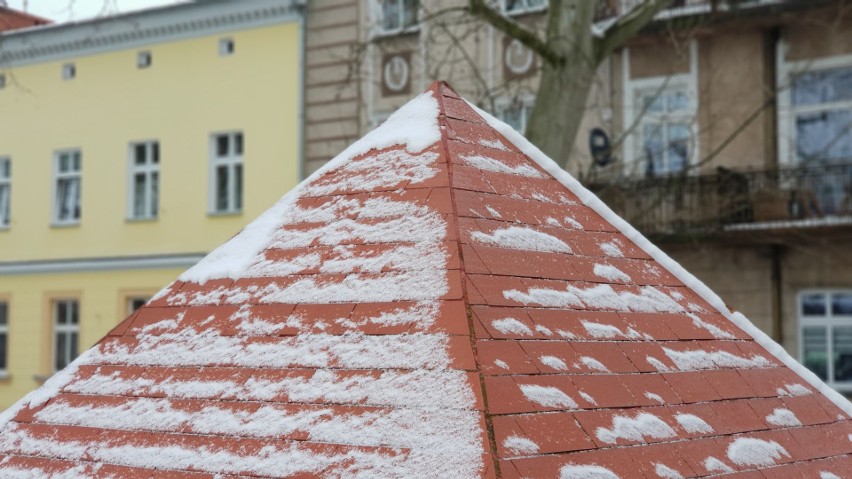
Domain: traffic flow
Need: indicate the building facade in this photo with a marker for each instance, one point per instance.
(728, 125)
(129, 147)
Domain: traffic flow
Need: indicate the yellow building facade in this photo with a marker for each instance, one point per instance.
(129, 147)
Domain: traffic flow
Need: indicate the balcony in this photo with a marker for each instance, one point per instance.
(729, 201)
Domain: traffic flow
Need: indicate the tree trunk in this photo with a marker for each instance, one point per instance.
(564, 85)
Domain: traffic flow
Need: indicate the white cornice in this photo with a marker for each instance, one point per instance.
(146, 27)
(78, 265)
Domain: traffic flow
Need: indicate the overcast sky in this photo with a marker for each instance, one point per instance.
(66, 10)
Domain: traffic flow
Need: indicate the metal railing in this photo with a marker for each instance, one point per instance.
(729, 200)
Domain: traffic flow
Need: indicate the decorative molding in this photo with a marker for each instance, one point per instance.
(78, 265)
(396, 73)
(145, 27)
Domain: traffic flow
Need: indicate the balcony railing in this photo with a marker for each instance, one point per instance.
(606, 9)
(734, 200)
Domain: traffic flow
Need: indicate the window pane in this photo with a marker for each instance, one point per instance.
(61, 312)
(409, 13)
(221, 188)
(842, 337)
(654, 103)
(136, 303)
(822, 86)
(5, 169)
(678, 147)
(60, 353)
(222, 145)
(3, 351)
(677, 101)
(155, 193)
(815, 350)
(841, 304)
(139, 154)
(238, 184)
(824, 137)
(75, 313)
(813, 305)
(76, 163)
(390, 14)
(653, 149)
(5, 194)
(4, 313)
(139, 180)
(64, 162)
(238, 144)
(155, 153)
(72, 346)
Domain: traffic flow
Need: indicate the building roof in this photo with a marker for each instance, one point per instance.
(11, 19)
(439, 301)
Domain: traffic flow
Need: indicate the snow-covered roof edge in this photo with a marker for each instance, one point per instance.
(591, 200)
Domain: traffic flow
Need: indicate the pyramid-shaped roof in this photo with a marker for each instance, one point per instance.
(440, 301)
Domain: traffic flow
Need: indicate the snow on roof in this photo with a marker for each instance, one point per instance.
(409, 312)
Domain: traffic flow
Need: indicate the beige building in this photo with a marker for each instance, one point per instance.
(731, 127)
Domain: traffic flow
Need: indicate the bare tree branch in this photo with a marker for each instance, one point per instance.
(628, 25)
(515, 30)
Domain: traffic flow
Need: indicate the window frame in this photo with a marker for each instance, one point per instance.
(230, 161)
(57, 177)
(828, 321)
(227, 46)
(503, 104)
(631, 88)
(5, 185)
(148, 169)
(381, 30)
(68, 329)
(524, 10)
(787, 110)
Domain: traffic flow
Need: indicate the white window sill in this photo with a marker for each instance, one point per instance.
(67, 224)
(379, 33)
(217, 214)
(5, 227)
(5, 375)
(149, 219)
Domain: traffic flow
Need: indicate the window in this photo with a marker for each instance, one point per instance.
(398, 15)
(66, 329)
(516, 112)
(68, 173)
(521, 6)
(825, 336)
(69, 71)
(665, 143)
(822, 128)
(143, 59)
(226, 46)
(4, 337)
(2, 81)
(5, 191)
(144, 179)
(134, 303)
(227, 173)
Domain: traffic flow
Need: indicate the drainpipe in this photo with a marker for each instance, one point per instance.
(777, 292)
(771, 37)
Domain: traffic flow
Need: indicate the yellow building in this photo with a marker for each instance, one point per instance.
(129, 147)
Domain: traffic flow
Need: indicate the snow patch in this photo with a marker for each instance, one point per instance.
(547, 396)
(594, 364)
(493, 212)
(501, 364)
(588, 398)
(497, 166)
(511, 326)
(496, 144)
(693, 424)
(602, 296)
(611, 273)
(522, 238)
(747, 451)
(612, 249)
(713, 464)
(654, 397)
(666, 472)
(554, 362)
(593, 471)
(608, 331)
(700, 359)
(635, 429)
(783, 417)
(520, 445)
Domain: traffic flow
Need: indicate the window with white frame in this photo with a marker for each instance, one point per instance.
(397, 15)
(227, 173)
(66, 330)
(515, 112)
(522, 6)
(144, 179)
(4, 337)
(664, 137)
(5, 191)
(825, 335)
(821, 101)
(68, 170)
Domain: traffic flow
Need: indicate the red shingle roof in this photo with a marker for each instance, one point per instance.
(439, 301)
(13, 20)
